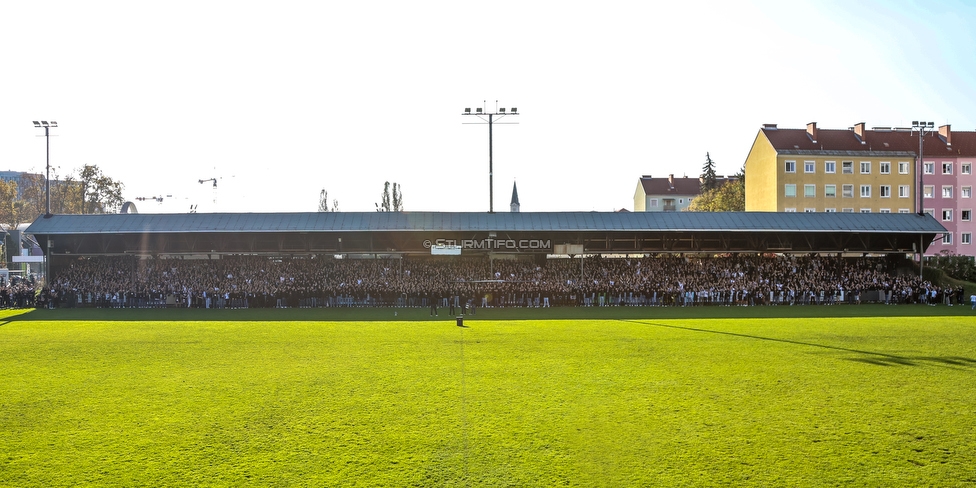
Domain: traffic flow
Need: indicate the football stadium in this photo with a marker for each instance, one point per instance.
(536, 349)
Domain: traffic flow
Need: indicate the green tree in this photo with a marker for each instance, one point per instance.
(11, 208)
(33, 194)
(99, 193)
(741, 175)
(65, 194)
(730, 197)
(708, 179)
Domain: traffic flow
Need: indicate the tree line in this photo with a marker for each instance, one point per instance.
(390, 201)
(86, 191)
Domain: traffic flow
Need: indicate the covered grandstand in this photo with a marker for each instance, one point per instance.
(529, 233)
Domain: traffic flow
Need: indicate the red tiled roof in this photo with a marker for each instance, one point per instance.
(681, 186)
(963, 143)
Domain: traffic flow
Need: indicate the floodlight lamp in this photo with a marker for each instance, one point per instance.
(478, 110)
(467, 110)
(37, 124)
(514, 110)
(915, 123)
(54, 124)
(931, 124)
(501, 110)
(45, 124)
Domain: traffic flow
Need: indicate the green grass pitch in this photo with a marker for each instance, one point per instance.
(860, 396)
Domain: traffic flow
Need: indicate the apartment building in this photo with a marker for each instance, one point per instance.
(866, 171)
(668, 194)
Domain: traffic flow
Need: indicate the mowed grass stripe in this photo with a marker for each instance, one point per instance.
(637, 401)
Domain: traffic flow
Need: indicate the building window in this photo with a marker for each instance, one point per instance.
(966, 215)
(809, 191)
(865, 191)
(930, 211)
(885, 167)
(791, 166)
(830, 210)
(847, 210)
(966, 237)
(946, 191)
(967, 168)
(791, 210)
(947, 168)
(885, 191)
(967, 192)
(790, 190)
(847, 167)
(928, 191)
(847, 191)
(929, 168)
(808, 167)
(903, 191)
(809, 210)
(865, 167)
(903, 167)
(830, 191)
(865, 210)
(903, 210)
(830, 167)
(947, 238)
(654, 202)
(885, 210)
(947, 215)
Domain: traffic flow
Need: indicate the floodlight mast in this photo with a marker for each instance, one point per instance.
(481, 113)
(47, 177)
(922, 127)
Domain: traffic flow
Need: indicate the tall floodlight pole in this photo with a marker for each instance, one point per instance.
(481, 113)
(922, 127)
(47, 178)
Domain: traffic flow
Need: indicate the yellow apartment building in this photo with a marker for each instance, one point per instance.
(817, 170)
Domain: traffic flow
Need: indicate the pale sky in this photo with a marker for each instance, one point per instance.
(278, 100)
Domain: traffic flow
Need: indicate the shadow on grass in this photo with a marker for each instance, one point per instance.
(421, 314)
(867, 357)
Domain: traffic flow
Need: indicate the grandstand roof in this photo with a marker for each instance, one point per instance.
(505, 232)
(338, 222)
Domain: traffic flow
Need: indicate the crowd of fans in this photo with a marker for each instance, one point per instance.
(19, 293)
(668, 280)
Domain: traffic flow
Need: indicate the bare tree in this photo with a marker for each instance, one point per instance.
(390, 202)
(324, 202)
(397, 198)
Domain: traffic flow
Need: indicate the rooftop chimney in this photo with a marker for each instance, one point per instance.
(671, 181)
(812, 131)
(860, 132)
(946, 134)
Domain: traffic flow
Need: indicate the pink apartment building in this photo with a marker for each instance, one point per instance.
(947, 188)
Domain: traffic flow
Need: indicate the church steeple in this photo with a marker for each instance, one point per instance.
(515, 202)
